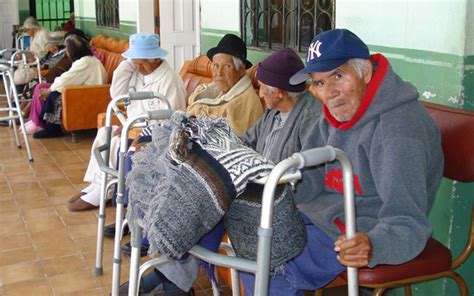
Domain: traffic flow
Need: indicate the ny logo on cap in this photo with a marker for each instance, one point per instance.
(314, 50)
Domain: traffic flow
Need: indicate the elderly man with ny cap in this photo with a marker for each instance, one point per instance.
(394, 146)
(144, 70)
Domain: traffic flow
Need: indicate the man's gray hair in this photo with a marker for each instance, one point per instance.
(237, 62)
(31, 23)
(289, 93)
(359, 65)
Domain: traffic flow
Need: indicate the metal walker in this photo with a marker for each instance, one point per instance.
(287, 171)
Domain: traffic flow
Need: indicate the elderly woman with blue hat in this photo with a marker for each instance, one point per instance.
(145, 70)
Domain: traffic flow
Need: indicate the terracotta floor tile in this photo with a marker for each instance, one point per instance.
(83, 230)
(17, 241)
(21, 272)
(26, 177)
(15, 256)
(8, 206)
(33, 287)
(60, 190)
(52, 175)
(4, 191)
(54, 243)
(38, 224)
(55, 182)
(50, 251)
(93, 292)
(10, 217)
(7, 197)
(73, 281)
(79, 218)
(26, 188)
(30, 194)
(66, 264)
(38, 212)
(88, 245)
(34, 203)
(55, 236)
(9, 229)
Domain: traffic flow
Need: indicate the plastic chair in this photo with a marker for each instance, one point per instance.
(13, 107)
(436, 260)
(261, 267)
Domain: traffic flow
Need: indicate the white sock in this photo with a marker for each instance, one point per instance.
(92, 197)
(89, 188)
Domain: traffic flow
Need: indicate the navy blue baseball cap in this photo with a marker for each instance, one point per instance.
(329, 50)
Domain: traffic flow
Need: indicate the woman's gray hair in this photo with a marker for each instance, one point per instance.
(31, 23)
(237, 62)
(359, 65)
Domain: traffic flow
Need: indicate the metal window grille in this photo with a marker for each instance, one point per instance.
(52, 13)
(107, 13)
(275, 24)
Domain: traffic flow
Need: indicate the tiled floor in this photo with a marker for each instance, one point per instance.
(44, 248)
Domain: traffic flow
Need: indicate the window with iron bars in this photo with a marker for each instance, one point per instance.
(275, 24)
(107, 13)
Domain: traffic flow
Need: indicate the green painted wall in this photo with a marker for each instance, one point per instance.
(86, 18)
(89, 26)
(24, 10)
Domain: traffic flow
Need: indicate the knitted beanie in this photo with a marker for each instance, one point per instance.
(277, 69)
(243, 220)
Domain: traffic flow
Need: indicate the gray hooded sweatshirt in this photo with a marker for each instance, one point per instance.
(395, 150)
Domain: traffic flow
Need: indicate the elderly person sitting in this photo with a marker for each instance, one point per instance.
(85, 70)
(145, 70)
(394, 146)
(231, 94)
(280, 132)
(39, 36)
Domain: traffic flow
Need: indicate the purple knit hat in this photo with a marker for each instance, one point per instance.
(277, 69)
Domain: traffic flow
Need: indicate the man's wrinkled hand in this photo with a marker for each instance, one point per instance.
(355, 252)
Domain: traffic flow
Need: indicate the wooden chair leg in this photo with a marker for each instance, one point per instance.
(408, 290)
(460, 282)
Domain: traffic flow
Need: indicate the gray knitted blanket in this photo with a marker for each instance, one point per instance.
(183, 182)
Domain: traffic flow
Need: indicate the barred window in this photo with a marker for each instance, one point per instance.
(275, 24)
(107, 13)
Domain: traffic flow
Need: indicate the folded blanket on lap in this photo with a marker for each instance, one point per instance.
(186, 178)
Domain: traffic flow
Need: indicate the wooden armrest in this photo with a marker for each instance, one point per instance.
(82, 104)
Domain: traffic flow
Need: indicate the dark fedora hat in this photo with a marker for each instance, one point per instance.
(233, 45)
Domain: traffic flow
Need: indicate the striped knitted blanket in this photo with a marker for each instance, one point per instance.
(183, 182)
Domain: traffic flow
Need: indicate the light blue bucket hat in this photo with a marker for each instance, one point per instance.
(144, 46)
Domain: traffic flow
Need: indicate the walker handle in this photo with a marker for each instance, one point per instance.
(142, 95)
(315, 156)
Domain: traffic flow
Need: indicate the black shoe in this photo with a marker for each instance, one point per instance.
(109, 231)
(127, 250)
(49, 131)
